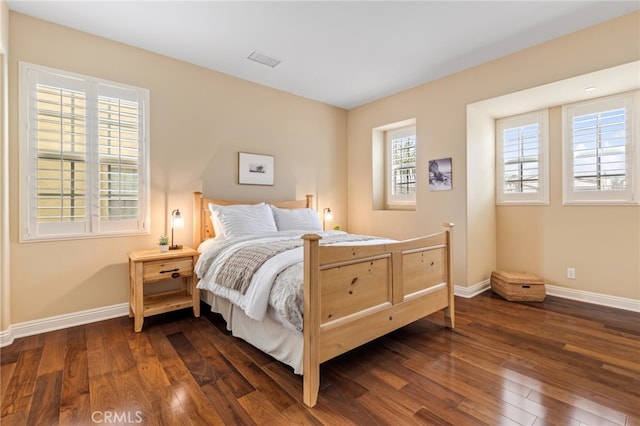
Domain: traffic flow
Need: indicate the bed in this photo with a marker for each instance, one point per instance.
(353, 288)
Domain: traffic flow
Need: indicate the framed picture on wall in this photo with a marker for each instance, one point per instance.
(255, 169)
(440, 176)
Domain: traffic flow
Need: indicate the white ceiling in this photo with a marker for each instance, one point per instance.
(343, 53)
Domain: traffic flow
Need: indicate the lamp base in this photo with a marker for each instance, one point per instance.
(175, 247)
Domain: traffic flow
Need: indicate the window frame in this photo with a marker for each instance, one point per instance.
(629, 196)
(95, 90)
(540, 197)
(398, 200)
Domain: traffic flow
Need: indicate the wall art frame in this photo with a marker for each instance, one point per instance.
(255, 169)
(441, 174)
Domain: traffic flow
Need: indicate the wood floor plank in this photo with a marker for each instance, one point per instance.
(334, 377)
(45, 405)
(98, 351)
(261, 410)
(387, 409)
(136, 404)
(284, 377)
(17, 419)
(225, 359)
(10, 353)
(486, 414)
(591, 397)
(199, 368)
(150, 368)
(336, 406)
(103, 394)
(172, 416)
(244, 376)
(6, 372)
(558, 362)
(75, 399)
(559, 410)
(192, 400)
(221, 397)
(53, 352)
(17, 396)
(299, 414)
(628, 360)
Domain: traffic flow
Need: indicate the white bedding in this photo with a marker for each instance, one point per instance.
(267, 335)
(286, 299)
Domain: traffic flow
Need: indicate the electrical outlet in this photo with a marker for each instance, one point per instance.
(571, 273)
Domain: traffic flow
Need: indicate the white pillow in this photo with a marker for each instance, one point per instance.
(217, 226)
(296, 219)
(242, 219)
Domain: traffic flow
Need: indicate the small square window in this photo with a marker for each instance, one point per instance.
(522, 144)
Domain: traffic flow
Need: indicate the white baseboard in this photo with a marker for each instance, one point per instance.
(565, 293)
(6, 337)
(474, 290)
(595, 298)
(29, 328)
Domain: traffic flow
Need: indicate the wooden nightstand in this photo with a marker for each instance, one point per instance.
(148, 266)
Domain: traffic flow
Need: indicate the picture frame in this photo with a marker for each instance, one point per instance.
(255, 169)
(440, 174)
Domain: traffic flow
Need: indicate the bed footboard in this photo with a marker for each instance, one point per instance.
(354, 294)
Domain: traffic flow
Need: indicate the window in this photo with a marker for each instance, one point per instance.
(401, 166)
(84, 156)
(522, 159)
(601, 151)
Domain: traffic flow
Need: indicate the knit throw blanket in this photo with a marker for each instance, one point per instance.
(237, 271)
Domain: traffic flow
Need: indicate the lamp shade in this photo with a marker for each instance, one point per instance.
(177, 221)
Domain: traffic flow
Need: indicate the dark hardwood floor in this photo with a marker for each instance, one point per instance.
(559, 362)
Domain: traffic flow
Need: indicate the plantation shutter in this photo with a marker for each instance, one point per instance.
(599, 151)
(403, 157)
(401, 144)
(58, 188)
(599, 154)
(119, 154)
(84, 155)
(522, 143)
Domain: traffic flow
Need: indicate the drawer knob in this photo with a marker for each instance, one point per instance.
(175, 275)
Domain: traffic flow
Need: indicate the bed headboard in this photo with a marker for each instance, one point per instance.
(202, 226)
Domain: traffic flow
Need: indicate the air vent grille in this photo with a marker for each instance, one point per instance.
(263, 59)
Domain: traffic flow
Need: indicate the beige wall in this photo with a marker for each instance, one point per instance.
(600, 242)
(200, 119)
(5, 288)
(544, 240)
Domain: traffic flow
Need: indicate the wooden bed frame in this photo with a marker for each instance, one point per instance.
(355, 294)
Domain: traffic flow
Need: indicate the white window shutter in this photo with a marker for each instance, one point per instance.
(522, 159)
(600, 151)
(401, 169)
(84, 157)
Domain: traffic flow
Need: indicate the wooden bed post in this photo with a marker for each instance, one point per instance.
(311, 320)
(197, 219)
(309, 198)
(449, 312)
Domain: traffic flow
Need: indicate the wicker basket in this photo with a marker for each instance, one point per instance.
(518, 286)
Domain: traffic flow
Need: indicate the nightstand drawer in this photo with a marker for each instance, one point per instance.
(164, 269)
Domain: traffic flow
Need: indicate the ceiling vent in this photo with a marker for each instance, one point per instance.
(263, 59)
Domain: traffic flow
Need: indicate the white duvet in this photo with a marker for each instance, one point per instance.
(287, 297)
